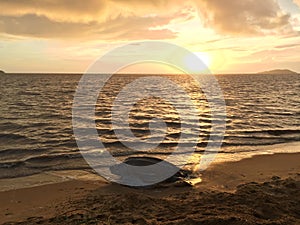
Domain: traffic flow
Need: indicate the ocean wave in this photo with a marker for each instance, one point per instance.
(11, 136)
(274, 132)
(36, 119)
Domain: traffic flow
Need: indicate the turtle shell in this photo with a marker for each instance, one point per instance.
(120, 170)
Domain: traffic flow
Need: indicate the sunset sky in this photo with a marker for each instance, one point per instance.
(230, 36)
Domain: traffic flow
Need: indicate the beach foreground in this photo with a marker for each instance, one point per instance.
(260, 190)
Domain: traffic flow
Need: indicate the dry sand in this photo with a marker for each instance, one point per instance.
(260, 190)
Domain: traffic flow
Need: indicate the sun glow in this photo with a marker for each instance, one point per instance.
(204, 57)
(199, 64)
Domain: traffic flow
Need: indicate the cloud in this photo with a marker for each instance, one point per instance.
(90, 19)
(130, 28)
(135, 28)
(88, 10)
(287, 46)
(136, 19)
(272, 55)
(297, 2)
(66, 10)
(246, 17)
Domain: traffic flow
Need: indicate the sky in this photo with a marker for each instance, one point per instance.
(229, 36)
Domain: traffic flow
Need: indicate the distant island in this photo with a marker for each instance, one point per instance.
(282, 72)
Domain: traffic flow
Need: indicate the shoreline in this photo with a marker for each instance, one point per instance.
(280, 148)
(42, 203)
(258, 168)
(52, 177)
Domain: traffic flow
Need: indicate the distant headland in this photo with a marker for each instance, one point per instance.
(280, 71)
(2, 72)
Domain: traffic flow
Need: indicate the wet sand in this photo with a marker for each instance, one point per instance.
(260, 190)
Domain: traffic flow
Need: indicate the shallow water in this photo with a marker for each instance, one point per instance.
(36, 119)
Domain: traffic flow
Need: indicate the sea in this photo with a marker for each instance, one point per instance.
(37, 137)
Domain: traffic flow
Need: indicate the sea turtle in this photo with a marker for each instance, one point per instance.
(180, 177)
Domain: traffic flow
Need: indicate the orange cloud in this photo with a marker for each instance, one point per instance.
(129, 28)
(136, 19)
(88, 10)
(297, 2)
(246, 17)
(67, 10)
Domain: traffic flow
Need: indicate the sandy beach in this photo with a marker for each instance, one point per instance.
(203, 96)
(260, 190)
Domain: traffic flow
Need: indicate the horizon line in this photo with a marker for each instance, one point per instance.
(78, 73)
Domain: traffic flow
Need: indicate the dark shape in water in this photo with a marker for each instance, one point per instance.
(181, 177)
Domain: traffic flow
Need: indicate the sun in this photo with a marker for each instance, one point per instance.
(199, 64)
(204, 57)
